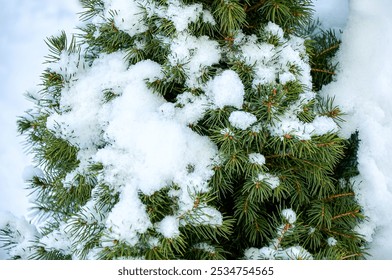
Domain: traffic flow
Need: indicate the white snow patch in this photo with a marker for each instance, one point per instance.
(242, 120)
(169, 227)
(289, 124)
(274, 29)
(256, 158)
(270, 179)
(30, 172)
(226, 89)
(332, 14)
(332, 241)
(23, 234)
(194, 55)
(289, 215)
(128, 15)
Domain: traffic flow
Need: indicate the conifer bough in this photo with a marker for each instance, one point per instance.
(186, 130)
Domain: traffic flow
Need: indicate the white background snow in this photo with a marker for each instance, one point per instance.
(363, 89)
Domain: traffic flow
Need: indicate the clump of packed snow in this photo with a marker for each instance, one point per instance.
(169, 227)
(257, 158)
(226, 89)
(242, 120)
(289, 215)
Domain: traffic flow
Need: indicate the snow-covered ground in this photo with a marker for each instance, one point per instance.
(363, 89)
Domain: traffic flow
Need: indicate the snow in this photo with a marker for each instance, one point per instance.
(257, 158)
(332, 14)
(274, 30)
(289, 215)
(57, 240)
(25, 25)
(29, 172)
(205, 247)
(192, 107)
(226, 89)
(289, 124)
(271, 180)
(332, 241)
(169, 227)
(182, 15)
(23, 233)
(145, 152)
(193, 54)
(127, 15)
(128, 218)
(272, 253)
(242, 120)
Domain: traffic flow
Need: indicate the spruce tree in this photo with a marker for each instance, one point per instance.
(179, 129)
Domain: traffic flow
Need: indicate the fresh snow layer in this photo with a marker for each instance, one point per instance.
(363, 89)
(147, 147)
(332, 14)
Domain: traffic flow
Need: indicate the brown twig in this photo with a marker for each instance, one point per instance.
(254, 7)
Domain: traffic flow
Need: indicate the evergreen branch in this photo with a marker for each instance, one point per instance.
(339, 233)
(285, 229)
(322, 71)
(352, 213)
(352, 256)
(339, 195)
(331, 48)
